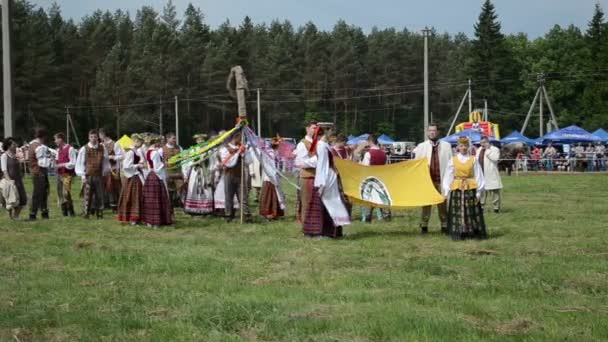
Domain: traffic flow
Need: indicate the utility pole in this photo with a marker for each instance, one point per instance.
(176, 120)
(67, 123)
(160, 114)
(7, 68)
(259, 115)
(426, 79)
(541, 95)
(485, 110)
(464, 98)
(541, 81)
(117, 122)
(470, 102)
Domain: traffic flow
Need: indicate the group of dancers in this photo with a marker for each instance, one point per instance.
(140, 187)
(136, 182)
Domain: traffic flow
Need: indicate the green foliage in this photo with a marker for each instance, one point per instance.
(120, 72)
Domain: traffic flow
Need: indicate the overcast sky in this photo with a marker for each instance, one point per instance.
(534, 17)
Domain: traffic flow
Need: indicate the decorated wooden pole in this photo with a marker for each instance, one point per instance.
(239, 89)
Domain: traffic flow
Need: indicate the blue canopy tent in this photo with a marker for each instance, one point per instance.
(538, 142)
(516, 137)
(474, 135)
(353, 141)
(570, 135)
(385, 139)
(356, 140)
(602, 134)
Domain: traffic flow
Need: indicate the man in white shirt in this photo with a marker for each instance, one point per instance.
(488, 157)
(40, 161)
(175, 180)
(310, 207)
(438, 154)
(92, 164)
(65, 164)
(112, 182)
(233, 156)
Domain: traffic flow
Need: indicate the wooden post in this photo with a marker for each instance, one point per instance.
(242, 176)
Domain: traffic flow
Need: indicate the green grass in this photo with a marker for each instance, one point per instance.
(542, 275)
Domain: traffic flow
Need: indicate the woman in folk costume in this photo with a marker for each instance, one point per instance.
(256, 179)
(464, 183)
(328, 185)
(129, 203)
(199, 184)
(13, 190)
(156, 207)
(271, 200)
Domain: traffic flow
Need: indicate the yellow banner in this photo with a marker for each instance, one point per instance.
(401, 185)
(125, 142)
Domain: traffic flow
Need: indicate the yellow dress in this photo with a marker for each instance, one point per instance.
(464, 174)
(465, 215)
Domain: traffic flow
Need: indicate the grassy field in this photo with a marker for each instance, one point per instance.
(542, 275)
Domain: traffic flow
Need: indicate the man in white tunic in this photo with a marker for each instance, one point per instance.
(488, 157)
(438, 153)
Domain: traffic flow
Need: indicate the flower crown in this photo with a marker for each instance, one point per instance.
(464, 141)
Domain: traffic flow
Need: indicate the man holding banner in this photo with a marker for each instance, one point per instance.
(438, 154)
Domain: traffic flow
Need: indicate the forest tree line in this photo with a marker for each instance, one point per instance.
(120, 72)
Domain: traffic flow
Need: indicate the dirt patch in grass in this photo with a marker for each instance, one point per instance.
(515, 327)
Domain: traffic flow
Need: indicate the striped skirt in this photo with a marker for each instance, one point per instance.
(199, 195)
(315, 218)
(129, 203)
(465, 216)
(269, 202)
(156, 208)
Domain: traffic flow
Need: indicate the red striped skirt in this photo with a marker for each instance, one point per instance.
(315, 219)
(269, 202)
(129, 203)
(156, 208)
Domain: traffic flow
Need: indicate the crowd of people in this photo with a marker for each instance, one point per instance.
(578, 157)
(137, 183)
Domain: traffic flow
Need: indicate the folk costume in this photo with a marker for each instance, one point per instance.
(488, 161)
(464, 183)
(65, 164)
(13, 193)
(39, 162)
(219, 194)
(156, 205)
(438, 154)
(175, 178)
(310, 210)
(198, 199)
(92, 164)
(272, 199)
(232, 157)
(327, 180)
(111, 181)
(130, 201)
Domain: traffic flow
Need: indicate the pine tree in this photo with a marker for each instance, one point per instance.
(491, 65)
(596, 32)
